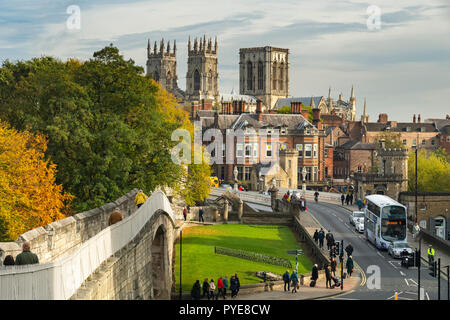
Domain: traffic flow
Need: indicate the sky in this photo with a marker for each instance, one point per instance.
(396, 54)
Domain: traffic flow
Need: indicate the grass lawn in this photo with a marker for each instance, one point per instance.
(200, 261)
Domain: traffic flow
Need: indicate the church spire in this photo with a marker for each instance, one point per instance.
(364, 116)
(149, 48)
(189, 44)
(174, 47)
(215, 46)
(168, 47)
(353, 93)
(313, 105)
(204, 43)
(161, 49)
(155, 49)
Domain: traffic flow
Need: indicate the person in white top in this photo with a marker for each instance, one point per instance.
(212, 287)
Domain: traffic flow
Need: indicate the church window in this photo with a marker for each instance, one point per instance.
(274, 76)
(196, 80)
(156, 76)
(249, 76)
(260, 76)
(281, 76)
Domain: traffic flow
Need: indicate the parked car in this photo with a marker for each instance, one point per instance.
(359, 226)
(355, 215)
(397, 248)
(227, 186)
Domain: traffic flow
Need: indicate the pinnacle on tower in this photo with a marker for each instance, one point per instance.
(204, 43)
(174, 47)
(195, 45)
(155, 49)
(209, 45)
(201, 44)
(352, 95)
(189, 44)
(161, 49)
(313, 105)
(215, 46)
(168, 47)
(149, 48)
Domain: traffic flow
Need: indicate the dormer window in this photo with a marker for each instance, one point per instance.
(408, 129)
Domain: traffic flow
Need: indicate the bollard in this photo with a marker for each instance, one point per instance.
(396, 295)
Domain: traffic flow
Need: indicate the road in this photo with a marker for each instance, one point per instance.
(394, 278)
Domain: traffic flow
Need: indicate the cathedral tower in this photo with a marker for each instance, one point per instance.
(202, 78)
(162, 65)
(264, 73)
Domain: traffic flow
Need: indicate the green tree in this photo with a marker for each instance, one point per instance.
(106, 128)
(391, 140)
(284, 110)
(433, 172)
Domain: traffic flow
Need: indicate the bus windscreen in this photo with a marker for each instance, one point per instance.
(393, 223)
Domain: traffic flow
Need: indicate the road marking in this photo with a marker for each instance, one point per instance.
(414, 293)
(402, 274)
(428, 297)
(380, 254)
(340, 219)
(407, 282)
(412, 280)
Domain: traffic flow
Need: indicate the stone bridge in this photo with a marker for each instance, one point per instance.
(81, 257)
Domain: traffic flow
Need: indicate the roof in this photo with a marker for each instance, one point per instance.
(305, 100)
(205, 113)
(357, 145)
(234, 96)
(445, 129)
(400, 127)
(382, 200)
(441, 123)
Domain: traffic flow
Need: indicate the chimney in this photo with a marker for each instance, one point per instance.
(383, 118)
(418, 118)
(414, 119)
(293, 106)
(235, 107)
(243, 106)
(203, 104)
(193, 110)
(316, 118)
(259, 110)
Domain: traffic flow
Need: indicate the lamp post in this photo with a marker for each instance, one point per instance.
(235, 172)
(303, 182)
(415, 192)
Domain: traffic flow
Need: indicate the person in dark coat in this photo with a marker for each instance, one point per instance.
(184, 213)
(233, 287)
(195, 292)
(342, 199)
(205, 288)
(9, 260)
(347, 199)
(238, 283)
(328, 275)
(200, 215)
(26, 257)
(351, 199)
(316, 236)
(333, 266)
(315, 273)
(330, 239)
(321, 237)
(360, 204)
(349, 250)
(349, 266)
(286, 280)
(225, 286)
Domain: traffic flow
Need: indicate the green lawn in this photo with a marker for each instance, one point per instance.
(200, 261)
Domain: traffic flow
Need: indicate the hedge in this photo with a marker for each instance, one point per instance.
(253, 256)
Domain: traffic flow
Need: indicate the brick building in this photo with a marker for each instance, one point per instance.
(353, 157)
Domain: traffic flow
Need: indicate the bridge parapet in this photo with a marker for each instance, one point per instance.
(61, 278)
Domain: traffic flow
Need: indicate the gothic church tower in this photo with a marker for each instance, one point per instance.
(202, 78)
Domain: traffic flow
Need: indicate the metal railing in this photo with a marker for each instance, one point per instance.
(60, 279)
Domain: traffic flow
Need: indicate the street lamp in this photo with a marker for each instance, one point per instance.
(235, 172)
(303, 182)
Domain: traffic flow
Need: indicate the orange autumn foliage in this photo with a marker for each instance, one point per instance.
(29, 195)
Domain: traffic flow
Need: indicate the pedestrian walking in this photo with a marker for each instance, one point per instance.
(349, 249)
(212, 288)
(9, 260)
(233, 287)
(342, 199)
(114, 217)
(351, 199)
(238, 283)
(328, 276)
(225, 286)
(195, 292)
(316, 236)
(415, 231)
(184, 213)
(321, 237)
(286, 279)
(26, 257)
(294, 279)
(219, 288)
(140, 199)
(349, 266)
(330, 239)
(347, 199)
(314, 275)
(332, 252)
(359, 203)
(200, 215)
(431, 253)
(333, 265)
(205, 288)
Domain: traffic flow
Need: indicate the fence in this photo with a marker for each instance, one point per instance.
(59, 280)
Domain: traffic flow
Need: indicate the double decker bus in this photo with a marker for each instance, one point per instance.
(384, 221)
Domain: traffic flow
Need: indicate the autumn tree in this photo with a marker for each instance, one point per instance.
(29, 196)
(433, 171)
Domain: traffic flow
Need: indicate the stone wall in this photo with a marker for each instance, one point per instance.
(64, 236)
(140, 270)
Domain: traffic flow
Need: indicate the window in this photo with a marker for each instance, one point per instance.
(423, 142)
(281, 76)
(314, 173)
(448, 138)
(222, 172)
(210, 80)
(269, 151)
(274, 76)
(196, 80)
(325, 153)
(223, 149)
(255, 150)
(326, 171)
(414, 142)
(432, 142)
(260, 75)
(404, 141)
(283, 131)
(248, 150)
(240, 173)
(308, 150)
(308, 173)
(249, 76)
(283, 146)
(359, 169)
(247, 173)
(315, 150)
(239, 150)
(299, 147)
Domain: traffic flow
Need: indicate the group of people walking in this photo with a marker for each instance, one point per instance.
(25, 257)
(347, 198)
(290, 281)
(209, 291)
